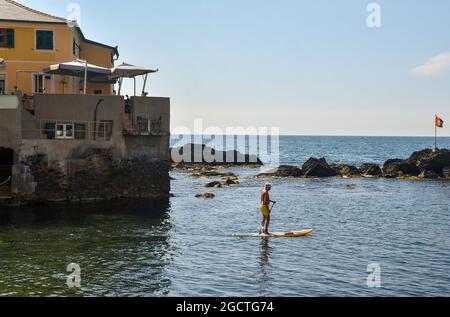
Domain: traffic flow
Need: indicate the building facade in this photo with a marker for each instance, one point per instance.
(31, 41)
(59, 145)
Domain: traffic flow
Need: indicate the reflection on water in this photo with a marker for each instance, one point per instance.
(264, 262)
(122, 248)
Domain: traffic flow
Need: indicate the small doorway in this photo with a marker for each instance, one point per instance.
(2, 84)
(42, 83)
(6, 164)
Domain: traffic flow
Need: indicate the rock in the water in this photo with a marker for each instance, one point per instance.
(446, 172)
(284, 171)
(205, 196)
(231, 181)
(399, 168)
(418, 156)
(345, 170)
(370, 170)
(215, 184)
(213, 174)
(317, 168)
(429, 160)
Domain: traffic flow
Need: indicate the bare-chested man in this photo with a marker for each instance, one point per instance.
(265, 209)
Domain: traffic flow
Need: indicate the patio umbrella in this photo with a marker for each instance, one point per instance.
(78, 68)
(131, 71)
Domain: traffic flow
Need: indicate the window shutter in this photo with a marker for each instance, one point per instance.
(10, 38)
(44, 40)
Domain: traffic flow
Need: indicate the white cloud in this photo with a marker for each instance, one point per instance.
(436, 66)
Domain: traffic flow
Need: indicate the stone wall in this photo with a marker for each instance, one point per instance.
(152, 108)
(99, 175)
(10, 133)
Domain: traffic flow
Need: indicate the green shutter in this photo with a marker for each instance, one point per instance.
(44, 40)
(10, 38)
(50, 130)
(80, 131)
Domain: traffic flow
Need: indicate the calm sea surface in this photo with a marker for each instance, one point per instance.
(183, 246)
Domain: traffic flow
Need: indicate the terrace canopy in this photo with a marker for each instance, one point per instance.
(130, 71)
(79, 68)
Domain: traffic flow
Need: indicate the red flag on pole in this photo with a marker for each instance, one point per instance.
(439, 122)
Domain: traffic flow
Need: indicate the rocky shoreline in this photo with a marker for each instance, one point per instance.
(425, 164)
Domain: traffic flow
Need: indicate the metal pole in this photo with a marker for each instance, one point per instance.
(435, 134)
(145, 84)
(120, 84)
(85, 76)
(134, 86)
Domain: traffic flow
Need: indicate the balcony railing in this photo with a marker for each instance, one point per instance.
(48, 129)
(144, 126)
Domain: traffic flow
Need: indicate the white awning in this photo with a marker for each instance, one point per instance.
(130, 71)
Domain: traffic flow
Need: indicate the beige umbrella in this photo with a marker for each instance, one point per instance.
(131, 71)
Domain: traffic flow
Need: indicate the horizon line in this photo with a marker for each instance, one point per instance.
(326, 135)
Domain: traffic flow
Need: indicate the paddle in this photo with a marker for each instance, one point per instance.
(273, 205)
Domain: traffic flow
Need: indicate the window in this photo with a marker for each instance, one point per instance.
(98, 92)
(65, 131)
(104, 130)
(44, 40)
(42, 84)
(2, 84)
(6, 38)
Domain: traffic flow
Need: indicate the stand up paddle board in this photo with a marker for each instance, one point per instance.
(290, 234)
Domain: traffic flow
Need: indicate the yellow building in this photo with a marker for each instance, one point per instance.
(31, 40)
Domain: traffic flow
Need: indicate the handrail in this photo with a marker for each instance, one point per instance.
(7, 181)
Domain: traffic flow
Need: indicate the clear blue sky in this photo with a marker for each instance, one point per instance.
(308, 67)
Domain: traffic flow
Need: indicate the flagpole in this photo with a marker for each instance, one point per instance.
(435, 136)
(435, 132)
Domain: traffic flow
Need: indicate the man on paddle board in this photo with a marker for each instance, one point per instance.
(265, 208)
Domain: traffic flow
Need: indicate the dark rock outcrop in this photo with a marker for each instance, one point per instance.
(370, 170)
(317, 168)
(431, 160)
(397, 168)
(345, 170)
(200, 154)
(284, 171)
